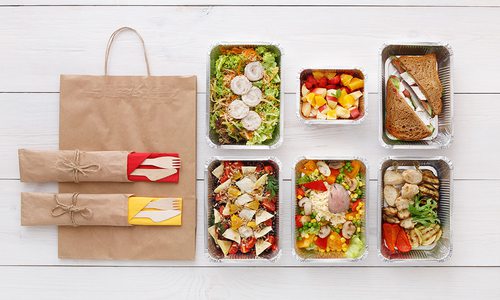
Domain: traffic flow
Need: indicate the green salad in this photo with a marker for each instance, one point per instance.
(245, 95)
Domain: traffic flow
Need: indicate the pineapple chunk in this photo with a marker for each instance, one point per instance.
(318, 75)
(319, 101)
(355, 84)
(345, 79)
(310, 97)
(342, 113)
(347, 101)
(330, 75)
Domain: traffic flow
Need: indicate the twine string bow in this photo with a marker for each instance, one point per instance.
(72, 209)
(76, 168)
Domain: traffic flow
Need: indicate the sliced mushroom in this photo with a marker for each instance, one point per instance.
(336, 164)
(323, 168)
(393, 177)
(390, 195)
(307, 205)
(412, 176)
(403, 214)
(324, 231)
(409, 191)
(407, 223)
(390, 211)
(348, 229)
(352, 183)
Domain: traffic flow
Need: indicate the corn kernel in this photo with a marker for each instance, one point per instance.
(342, 240)
(299, 197)
(321, 250)
(357, 216)
(358, 230)
(327, 249)
(332, 237)
(355, 195)
(313, 221)
(350, 218)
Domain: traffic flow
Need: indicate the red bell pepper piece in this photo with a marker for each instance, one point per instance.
(321, 242)
(390, 232)
(300, 192)
(354, 205)
(317, 185)
(402, 242)
(298, 223)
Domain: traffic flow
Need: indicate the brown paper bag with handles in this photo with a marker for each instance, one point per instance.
(139, 113)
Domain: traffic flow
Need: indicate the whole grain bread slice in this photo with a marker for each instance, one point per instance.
(400, 119)
(423, 69)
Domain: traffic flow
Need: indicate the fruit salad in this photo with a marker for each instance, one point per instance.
(243, 209)
(331, 94)
(330, 209)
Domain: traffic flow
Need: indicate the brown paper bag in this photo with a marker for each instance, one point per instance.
(140, 113)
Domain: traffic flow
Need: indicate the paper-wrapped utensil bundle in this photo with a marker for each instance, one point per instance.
(97, 166)
(98, 210)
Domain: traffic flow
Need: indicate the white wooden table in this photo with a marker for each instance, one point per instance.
(41, 39)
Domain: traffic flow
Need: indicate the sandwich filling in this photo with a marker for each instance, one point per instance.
(408, 79)
(412, 100)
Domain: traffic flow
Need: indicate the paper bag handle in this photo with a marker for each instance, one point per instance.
(110, 43)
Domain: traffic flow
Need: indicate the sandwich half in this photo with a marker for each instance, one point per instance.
(421, 74)
(401, 117)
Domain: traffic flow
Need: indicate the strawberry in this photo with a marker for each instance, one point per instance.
(309, 85)
(354, 112)
(323, 82)
(330, 86)
(335, 80)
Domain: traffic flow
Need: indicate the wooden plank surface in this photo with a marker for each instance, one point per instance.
(40, 43)
(42, 39)
(249, 283)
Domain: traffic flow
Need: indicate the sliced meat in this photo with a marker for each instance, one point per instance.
(252, 121)
(238, 110)
(240, 85)
(412, 176)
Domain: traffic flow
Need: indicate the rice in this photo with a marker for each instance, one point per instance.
(319, 202)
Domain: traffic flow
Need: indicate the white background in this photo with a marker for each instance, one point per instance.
(41, 39)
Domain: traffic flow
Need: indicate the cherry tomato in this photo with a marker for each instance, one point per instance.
(218, 197)
(269, 169)
(247, 244)
(224, 178)
(268, 222)
(274, 242)
(221, 209)
(233, 249)
(300, 192)
(237, 165)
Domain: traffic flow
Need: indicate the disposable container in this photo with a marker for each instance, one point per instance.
(444, 57)
(363, 109)
(212, 251)
(332, 257)
(211, 135)
(441, 250)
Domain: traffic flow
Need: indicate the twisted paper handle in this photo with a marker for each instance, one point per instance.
(72, 209)
(76, 168)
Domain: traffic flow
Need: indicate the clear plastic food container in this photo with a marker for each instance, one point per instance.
(363, 109)
(213, 252)
(318, 257)
(441, 250)
(211, 135)
(444, 57)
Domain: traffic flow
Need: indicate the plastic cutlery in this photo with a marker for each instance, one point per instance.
(154, 174)
(165, 204)
(163, 162)
(158, 215)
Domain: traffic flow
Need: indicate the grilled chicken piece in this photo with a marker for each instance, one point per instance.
(393, 177)
(390, 194)
(407, 223)
(402, 204)
(409, 191)
(412, 176)
(390, 211)
(403, 214)
(392, 220)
